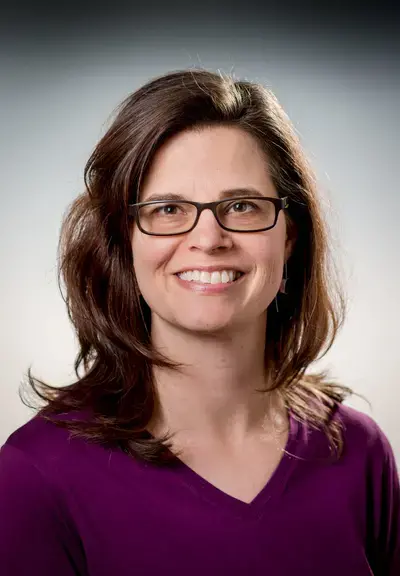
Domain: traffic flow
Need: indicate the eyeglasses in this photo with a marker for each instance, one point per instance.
(242, 214)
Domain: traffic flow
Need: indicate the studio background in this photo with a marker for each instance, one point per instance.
(336, 72)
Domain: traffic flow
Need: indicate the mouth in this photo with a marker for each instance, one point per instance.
(214, 277)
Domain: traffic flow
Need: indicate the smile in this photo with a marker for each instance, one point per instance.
(214, 277)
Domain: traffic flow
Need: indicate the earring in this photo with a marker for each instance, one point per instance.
(282, 287)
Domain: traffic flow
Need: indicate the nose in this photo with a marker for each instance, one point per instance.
(208, 235)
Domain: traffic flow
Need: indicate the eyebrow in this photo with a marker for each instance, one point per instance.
(229, 193)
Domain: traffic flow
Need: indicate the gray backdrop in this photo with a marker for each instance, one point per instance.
(336, 72)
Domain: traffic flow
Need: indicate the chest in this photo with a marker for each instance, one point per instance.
(242, 475)
(263, 513)
(174, 525)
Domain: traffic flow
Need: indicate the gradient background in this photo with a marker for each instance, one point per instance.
(335, 69)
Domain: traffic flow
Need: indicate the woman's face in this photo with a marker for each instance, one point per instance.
(202, 166)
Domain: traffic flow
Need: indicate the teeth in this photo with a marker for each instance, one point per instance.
(205, 277)
(216, 277)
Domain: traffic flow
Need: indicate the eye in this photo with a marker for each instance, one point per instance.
(168, 210)
(241, 206)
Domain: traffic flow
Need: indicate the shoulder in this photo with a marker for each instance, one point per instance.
(44, 445)
(374, 474)
(24, 478)
(34, 508)
(64, 458)
(363, 435)
(38, 433)
(363, 443)
(357, 423)
(40, 461)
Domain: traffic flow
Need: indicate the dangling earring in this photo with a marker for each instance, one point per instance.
(282, 287)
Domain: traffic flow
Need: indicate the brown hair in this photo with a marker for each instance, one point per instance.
(111, 319)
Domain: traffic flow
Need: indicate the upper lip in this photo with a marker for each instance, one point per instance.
(210, 269)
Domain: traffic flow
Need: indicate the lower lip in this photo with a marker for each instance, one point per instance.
(207, 288)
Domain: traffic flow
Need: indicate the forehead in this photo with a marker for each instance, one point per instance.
(200, 163)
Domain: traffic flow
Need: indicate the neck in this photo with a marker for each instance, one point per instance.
(213, 396)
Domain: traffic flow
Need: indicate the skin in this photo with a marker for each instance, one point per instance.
(211, 405)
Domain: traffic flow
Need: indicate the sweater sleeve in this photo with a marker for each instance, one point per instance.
(35, 537)
(384, 508)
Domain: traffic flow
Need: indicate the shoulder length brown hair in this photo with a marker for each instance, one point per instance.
(114, 386)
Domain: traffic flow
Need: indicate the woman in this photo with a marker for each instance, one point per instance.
(193, 441)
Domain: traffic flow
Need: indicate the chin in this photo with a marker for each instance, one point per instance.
(206, 330)
(204, 325)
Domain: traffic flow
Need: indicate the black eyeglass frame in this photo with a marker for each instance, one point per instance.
(280, 204)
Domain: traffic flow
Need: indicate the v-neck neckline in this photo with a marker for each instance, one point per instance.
(268, 494)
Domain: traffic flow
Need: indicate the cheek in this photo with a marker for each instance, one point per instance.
(269, 260)
(273, 271)
(270, 254)
(149, 256)
(271, 274)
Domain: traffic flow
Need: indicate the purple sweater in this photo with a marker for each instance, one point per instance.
(71, 508)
